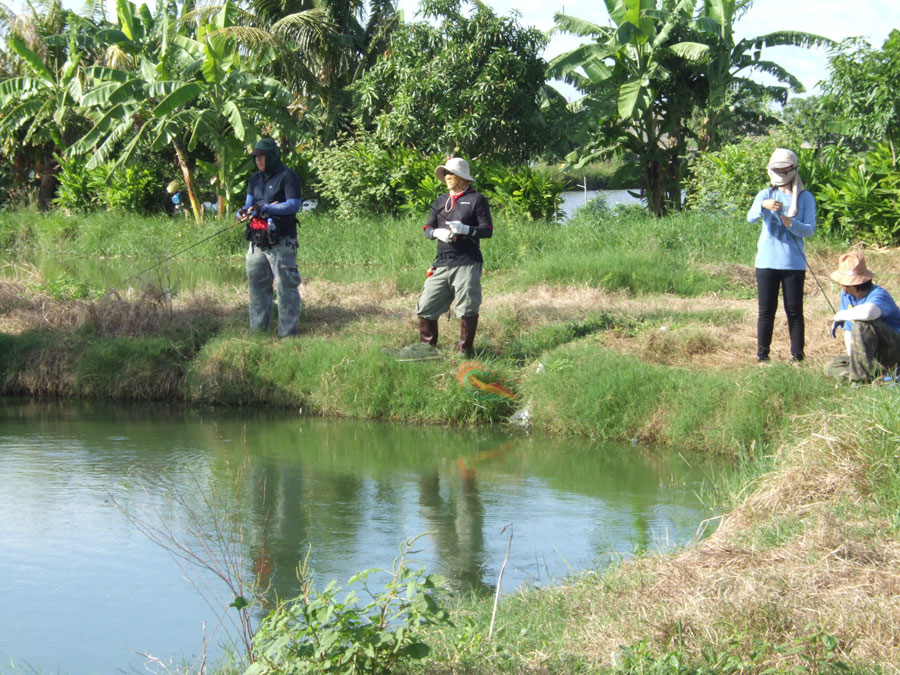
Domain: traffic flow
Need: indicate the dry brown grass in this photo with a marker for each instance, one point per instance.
(832, 570)
(377, 306)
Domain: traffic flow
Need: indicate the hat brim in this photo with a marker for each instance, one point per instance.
(851, 279)
(780, 165)
(256, 153)
(441, 172)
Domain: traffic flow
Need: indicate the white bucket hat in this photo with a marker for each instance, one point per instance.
(455, 165)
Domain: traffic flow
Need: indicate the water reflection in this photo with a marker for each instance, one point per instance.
(350, 492)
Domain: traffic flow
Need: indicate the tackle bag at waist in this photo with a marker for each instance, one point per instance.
(260, 232)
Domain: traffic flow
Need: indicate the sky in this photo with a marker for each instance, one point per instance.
(835, 19)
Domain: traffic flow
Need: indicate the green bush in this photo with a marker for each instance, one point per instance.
(521, 191)
(728, 179)
(132, 189)
(362, 176)
(318, 633)
(857, 197)
(861, 202)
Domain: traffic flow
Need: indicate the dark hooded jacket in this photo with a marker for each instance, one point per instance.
(277, 184)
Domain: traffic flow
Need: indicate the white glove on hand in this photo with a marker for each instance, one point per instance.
(443, 234)
(457, 227)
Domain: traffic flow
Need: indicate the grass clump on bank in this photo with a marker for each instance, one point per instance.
(599, 393)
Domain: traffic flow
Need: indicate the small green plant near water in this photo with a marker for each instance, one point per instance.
(317, 632)
(69, 289)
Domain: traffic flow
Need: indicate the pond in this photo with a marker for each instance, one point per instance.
(572, 200)
(86, 592)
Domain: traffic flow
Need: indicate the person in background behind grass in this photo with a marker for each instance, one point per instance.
(788, 214)
(458, 221)
(273, 193)
(871, 322)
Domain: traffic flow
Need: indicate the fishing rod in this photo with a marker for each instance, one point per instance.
(827, 299)
(178, 253)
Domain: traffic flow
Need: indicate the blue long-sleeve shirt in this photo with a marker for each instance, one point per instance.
(890, 313)
(780, 247)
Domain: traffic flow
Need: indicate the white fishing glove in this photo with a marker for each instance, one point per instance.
(457, 227)
(443, 234)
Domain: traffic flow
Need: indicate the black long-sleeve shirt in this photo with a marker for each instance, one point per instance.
(472, 209)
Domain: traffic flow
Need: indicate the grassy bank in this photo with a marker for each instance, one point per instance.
(799, 577)
(618, 328)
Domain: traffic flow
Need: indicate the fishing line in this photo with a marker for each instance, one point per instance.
(827, 299)
(177, 253)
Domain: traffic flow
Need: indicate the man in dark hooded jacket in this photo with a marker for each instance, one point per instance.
(273, 199)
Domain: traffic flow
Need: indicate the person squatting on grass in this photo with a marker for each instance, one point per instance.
(458, 221)
(788, 213)
(871, 322)
(273, 199)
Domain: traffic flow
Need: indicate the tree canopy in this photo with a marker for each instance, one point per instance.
(473, 84)
(862, 94)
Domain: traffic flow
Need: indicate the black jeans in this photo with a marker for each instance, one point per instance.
(767, 283)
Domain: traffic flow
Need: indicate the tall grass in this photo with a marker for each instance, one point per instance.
(620, 250)
(587, 390)
(347, 376)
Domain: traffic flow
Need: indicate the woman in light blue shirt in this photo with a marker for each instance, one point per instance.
(788, 214)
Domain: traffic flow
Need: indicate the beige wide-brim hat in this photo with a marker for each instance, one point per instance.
(852, 270)
(457, 166)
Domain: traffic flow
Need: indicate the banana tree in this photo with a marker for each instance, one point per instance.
(197, 95)
(727, 64)
(638, 85)
(39, 109)
(660, 62)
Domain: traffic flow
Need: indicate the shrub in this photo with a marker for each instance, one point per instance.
(862, 201)
(521, 191)
(132, 189)
(77, 190)
(728, 179)
(318, 633)
(362, 176)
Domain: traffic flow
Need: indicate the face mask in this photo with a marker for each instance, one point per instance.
(454, 183)
(781, 179)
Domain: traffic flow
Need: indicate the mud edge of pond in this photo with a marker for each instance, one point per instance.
(578, 387)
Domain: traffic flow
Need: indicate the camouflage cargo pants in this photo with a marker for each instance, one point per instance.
(274, 264)
(874, 350)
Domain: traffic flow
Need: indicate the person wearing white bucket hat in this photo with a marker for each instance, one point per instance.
(788, 214)
(458, 221)
(871, 322)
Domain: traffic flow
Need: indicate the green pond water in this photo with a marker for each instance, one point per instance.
(86, 592)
